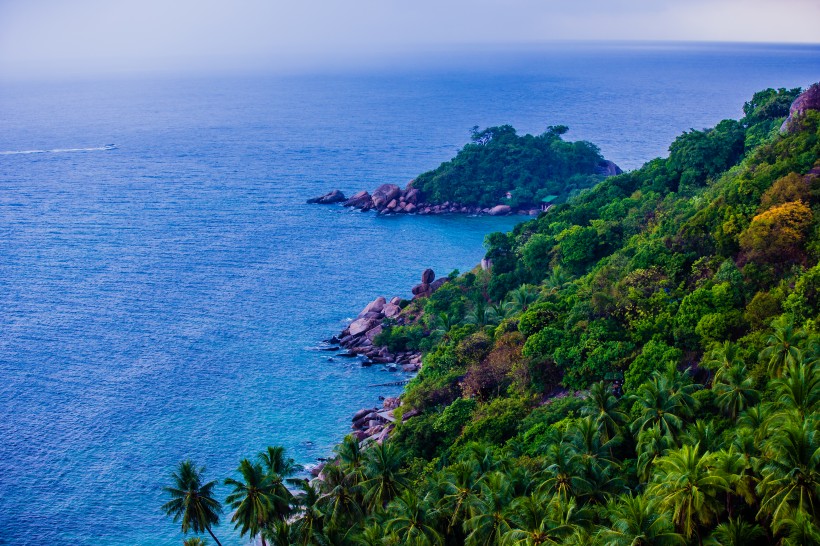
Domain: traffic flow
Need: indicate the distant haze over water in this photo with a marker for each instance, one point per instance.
(163, 298)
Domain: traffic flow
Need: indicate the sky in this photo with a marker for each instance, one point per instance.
(54, 37)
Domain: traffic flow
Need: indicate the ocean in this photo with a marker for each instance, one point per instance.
(164, 297)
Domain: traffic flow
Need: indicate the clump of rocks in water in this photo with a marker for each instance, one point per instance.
(375, 424)
(358, 338)
(391, 199)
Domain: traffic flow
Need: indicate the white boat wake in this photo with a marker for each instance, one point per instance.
(59, 150)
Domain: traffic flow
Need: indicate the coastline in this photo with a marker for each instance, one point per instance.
(358, 340)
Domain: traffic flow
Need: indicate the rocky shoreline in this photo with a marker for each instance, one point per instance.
(357, 340)
(391, 199)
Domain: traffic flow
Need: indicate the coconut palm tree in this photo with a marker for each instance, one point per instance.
(412, 520)
(351, 459)
(735, 532)
(192, 501)
(799, 530)
(799, 389)
(310, 518)
(520, 299)
(339, 501)
(480, 314)
(722, 357)
(791, 475)
(635, 521)
(384, 477)
(734, 390)
(489, 512)
(686, 483)
(563, 475)
(253, 499)
(782, 346)
(461, 485)
(274, 461)
(536, 519)
(651, 445)
(661, 407)
(602, 405)
(194, 541)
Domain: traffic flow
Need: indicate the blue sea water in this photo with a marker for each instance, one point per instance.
(164, 299)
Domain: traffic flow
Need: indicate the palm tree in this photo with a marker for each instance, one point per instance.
(782, 346)
(311, 519)
(411, 520)
(274, 461)
(194, 541)
(734, 390)
(556, 280)
(587, 447)
(520, 299)
(603, 406)
(351, 459)
(661, 406)
(254, 499)
(735, 532)
(489, 512)
(480, 314)
(722, 357)
(278, 467)
(799, 389)
(686, 483)
(564, 477)
(461, 487)
(340, 498)
(444, 322)
(651, 445)
(537, 519)
(384, 478)
(736, 468)
(192, 501)
(799, 530)
(636, 521)
(791, 475)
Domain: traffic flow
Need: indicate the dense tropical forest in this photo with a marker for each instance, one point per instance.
(530, 168)
(640, 365)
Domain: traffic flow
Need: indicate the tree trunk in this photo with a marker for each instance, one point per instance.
(213, 536)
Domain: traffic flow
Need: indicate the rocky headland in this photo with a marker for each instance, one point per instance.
(357, 340)
(391, 199)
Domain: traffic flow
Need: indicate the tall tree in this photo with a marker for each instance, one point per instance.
(192, 501)
(685, 483)
(253, 499)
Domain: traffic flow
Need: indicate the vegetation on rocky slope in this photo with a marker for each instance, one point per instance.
(640, 365)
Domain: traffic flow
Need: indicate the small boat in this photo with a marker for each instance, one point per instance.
(110, 146)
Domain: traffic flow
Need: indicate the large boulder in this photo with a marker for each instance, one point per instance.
(375, 306)
(361, 326)
(421, 291)
(359, 200)
(608, 168)
(436, 284)
(427, 276)
(384, 194)
(500, 210)
(807, 100)
(412, 196)
(391, 310)
(334, 196)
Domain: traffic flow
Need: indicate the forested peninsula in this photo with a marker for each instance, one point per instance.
(498, 172)
(638, 365)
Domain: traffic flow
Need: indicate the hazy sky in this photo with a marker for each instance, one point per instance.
(67, 36)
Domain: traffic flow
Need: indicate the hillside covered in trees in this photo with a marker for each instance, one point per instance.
(530, 168)
(640, 365)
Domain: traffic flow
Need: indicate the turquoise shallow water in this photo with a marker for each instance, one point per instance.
(164, 299)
